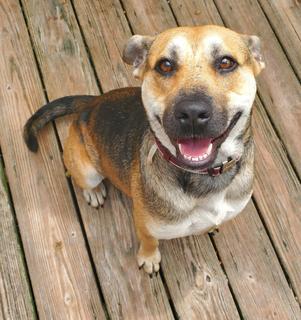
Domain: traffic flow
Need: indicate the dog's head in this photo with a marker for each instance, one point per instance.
(198, 87)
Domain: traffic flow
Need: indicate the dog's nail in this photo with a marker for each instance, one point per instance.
(140, 267)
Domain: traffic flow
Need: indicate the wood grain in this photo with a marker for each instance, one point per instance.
(285, 17)
(277, 191)
(16, 301)
(62, 278)
(106, 31)
(278, 86)
(128, 292)
(197, 284)
(254, 272)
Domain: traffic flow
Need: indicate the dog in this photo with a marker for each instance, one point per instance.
(180, 146)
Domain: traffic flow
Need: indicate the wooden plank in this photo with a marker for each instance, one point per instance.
(285, 18)
(16, 301)
(62, 278)
(106, 30)
(197, 284)
(185, 13)
(279, 179)
(278, 86)
(128, 292)
(254, 272)
(277, 191)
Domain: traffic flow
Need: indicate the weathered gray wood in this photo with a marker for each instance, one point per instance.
(106, 30)
(285, 17)
(278, 87)
(254, 272)
(62, 278)
(16, 301)
(128, 292)
(277, 191)
(197, 284)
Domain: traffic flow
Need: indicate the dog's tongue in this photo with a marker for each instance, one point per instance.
(194, 147)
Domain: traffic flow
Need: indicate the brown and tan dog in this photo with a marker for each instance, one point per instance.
(180, 146)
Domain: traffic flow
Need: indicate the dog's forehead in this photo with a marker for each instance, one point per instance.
(197, 42)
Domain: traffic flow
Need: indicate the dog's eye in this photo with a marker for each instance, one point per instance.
(165, 67)
(226, 64)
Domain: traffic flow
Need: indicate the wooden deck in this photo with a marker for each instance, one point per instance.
(60, 259)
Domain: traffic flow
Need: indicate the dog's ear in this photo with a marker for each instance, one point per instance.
(254, 45)
(135, 53)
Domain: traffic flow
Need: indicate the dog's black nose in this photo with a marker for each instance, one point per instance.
(193, 113)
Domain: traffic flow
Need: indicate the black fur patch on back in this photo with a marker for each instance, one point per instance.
(120, 122)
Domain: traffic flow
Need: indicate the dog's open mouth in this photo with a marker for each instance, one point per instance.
(196, 153)
(201, 152)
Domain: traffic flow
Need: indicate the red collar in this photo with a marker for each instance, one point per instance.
(213, 171)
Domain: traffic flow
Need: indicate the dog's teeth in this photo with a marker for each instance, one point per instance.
(187, 157)
(209, 149)
(195, 159)
(180, 148)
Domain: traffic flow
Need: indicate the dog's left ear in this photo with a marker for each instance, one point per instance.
(254, 45)
(135, 53)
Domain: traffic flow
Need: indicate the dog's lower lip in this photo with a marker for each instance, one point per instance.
(208, 146)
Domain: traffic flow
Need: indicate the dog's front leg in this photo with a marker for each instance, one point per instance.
(148, 256)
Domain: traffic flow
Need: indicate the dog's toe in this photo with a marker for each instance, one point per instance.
(150, 263)
(95, 197)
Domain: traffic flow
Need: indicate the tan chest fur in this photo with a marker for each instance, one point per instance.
(201, 215)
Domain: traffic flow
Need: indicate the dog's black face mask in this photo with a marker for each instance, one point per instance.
(196, 127)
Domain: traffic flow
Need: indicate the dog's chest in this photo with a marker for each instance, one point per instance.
(205, 215)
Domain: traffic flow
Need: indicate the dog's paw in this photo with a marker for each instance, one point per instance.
(150, 263)
(95, 197)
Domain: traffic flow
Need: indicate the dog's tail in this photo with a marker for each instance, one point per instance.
(50, 111)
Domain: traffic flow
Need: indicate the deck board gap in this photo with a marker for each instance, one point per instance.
(171, 303)
(287, 277)
(87, 48)
(19, 238)
(126, 16)
(88, 248)
(211, 236)
(219, 13)
(278, 39)
(172, 12)
(34, 52)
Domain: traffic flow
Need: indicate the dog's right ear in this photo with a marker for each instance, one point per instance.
(135, 53)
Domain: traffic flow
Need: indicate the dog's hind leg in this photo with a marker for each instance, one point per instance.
(81, 169)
